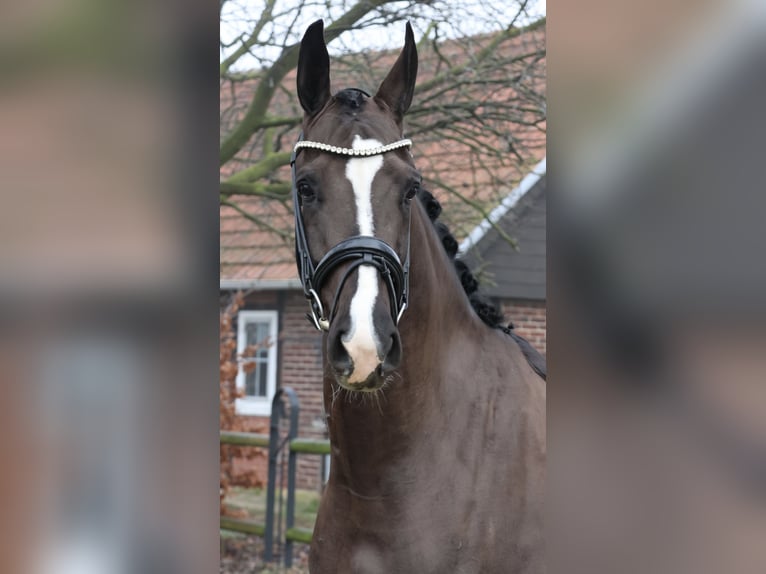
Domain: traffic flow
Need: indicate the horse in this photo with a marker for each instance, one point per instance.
(435, 414)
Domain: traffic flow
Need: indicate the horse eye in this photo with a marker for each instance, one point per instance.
(305, 191)
(412, 191)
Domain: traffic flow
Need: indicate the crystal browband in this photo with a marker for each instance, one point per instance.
(352, 152)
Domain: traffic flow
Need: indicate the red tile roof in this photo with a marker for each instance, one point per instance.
(262, 251)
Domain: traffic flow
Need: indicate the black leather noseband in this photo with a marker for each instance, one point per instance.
(358, 250)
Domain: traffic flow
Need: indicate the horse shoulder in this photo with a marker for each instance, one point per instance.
(516, 407)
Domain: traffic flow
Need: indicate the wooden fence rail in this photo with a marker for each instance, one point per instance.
(296, 445)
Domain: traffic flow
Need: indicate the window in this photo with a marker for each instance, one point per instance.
(259, 383)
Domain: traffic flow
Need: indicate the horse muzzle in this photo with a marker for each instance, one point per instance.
(361, 361)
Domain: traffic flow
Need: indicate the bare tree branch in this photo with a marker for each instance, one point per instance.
(286, 62)
(279, 191)
(286, 236)
(478, 119)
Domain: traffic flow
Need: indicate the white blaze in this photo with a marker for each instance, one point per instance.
(361, 342)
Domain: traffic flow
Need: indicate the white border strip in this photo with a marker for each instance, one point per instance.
(501, 210)
(259, 284)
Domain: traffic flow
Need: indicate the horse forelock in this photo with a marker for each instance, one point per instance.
(352, 98)
(349, 113)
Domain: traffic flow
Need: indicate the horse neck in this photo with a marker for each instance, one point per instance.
(376, 430)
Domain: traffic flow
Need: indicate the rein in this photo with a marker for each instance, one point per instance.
(359, 250)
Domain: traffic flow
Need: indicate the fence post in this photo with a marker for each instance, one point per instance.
(278, 411)
(291, 470)
(268, 534)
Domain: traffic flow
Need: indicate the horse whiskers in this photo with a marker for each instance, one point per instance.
(376, 396)
(391, 377)
(364, 398)
(336, 390)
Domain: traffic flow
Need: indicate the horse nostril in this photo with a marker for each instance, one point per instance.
(342, 364)
(339, 358)
(387, 348)
(393, 354)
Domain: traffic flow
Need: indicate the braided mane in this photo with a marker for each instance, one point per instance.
(481, 304)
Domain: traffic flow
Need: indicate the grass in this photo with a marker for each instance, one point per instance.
(253, 501)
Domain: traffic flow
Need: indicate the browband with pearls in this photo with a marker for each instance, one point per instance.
(352, 152)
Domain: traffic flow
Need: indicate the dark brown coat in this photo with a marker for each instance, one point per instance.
(441, 470)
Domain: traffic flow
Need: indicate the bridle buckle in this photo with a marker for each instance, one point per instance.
(401, 311)
(321, 322)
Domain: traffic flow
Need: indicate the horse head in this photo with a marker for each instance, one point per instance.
(353, 184)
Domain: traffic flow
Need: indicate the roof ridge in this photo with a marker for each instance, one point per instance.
(509, 202)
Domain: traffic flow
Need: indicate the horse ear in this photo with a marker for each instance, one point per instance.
(397, 89)
(313, 70)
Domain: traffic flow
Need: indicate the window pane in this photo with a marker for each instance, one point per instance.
(250, 383)
(262, 370)
(263, 331)
(252, 333)
(257, 332)
(255, 380)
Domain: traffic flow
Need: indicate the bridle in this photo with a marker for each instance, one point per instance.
(358, 250)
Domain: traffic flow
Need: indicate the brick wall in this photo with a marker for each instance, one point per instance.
(300, 367)
(529, 319)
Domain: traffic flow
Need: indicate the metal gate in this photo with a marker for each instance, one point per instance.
(283, 445)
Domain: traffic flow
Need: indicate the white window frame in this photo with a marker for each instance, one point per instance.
(258, 406)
